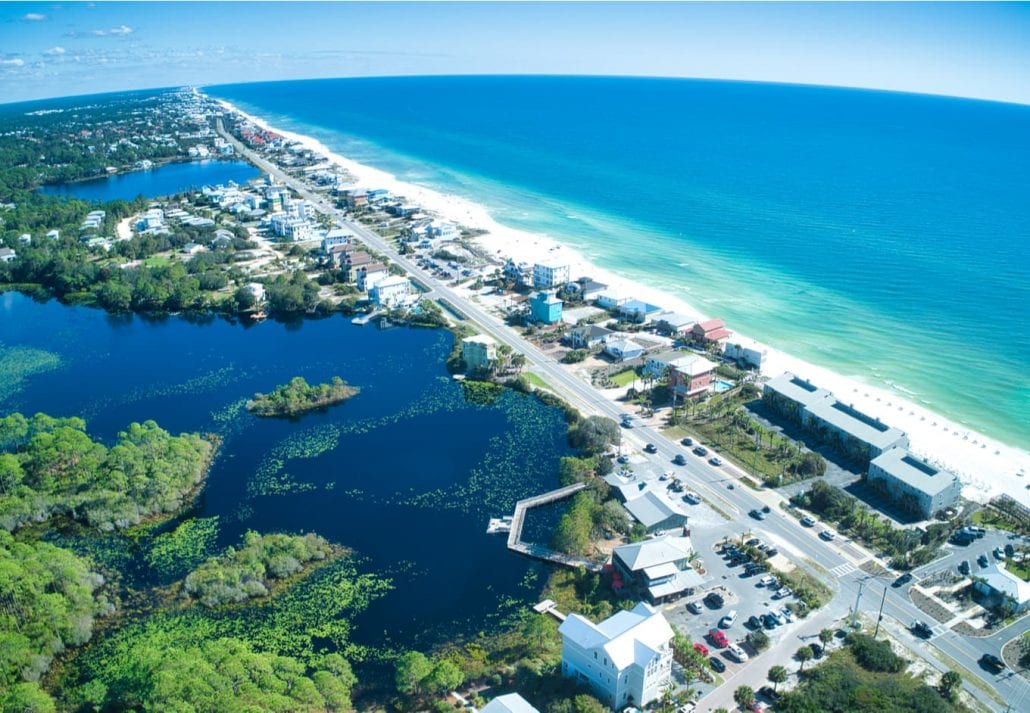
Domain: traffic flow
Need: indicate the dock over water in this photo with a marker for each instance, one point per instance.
(530, 549)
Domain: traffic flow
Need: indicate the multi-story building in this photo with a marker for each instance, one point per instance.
(711, 331)
(391, 292)
(368, 276)
(858, 436)
(659, 569)
(545, 307)
(550, 276)
(789, 396)
(691, 375)
(625, 659)
(915, 484)
(479, 353)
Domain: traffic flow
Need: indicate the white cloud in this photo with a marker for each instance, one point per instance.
(56, 50)
(33, 17)
(16, 62)
(120, 30)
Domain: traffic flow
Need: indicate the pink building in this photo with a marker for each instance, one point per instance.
(710, 331)
(691, 376)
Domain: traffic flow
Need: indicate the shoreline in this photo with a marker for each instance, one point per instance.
(986, 466)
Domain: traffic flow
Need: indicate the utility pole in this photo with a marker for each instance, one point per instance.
(879, 617)
(858, 598)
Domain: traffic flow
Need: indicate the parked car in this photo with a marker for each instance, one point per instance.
(999, 554)
(1009, 550)
(782, 593)
(982, 560)
(807, 521)
(680, 459)
(688, 441)
(787, 614)
(701, 648)
(902, 580)
(727, 621)
(717, 665)
(828, 535)
(692, 498)
(651, 448)
(715, 460)
(757, 514)
(753, 622)
(694, 607)
(767, 581)
(718, 638)
(769, 692)
(963, 567)
(623, 459)
(769, 621)
(772, 552)
(714, 599)
(753, 542)
(992, 662)
(665, 475)
(921, 628)
(701, 451)
(737, 653)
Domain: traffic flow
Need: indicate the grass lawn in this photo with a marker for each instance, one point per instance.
(624, 378)
(537, 381)
(1020, 569)
(988, 518)
(157, 261)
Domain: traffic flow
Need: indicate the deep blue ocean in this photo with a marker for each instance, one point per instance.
(884, 235)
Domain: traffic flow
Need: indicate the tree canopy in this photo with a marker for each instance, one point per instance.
(50, 466)
(298, 396)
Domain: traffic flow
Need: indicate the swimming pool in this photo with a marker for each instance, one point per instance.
(720, 385)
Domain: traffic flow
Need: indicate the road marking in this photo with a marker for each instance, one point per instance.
(843, 569)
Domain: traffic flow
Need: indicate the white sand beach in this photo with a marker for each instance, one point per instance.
(987, 467)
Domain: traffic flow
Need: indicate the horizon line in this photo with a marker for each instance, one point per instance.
(660, 77)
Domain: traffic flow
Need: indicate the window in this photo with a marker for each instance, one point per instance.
(595, 656)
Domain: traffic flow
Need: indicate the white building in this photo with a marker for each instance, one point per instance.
(256, 290)
(626, 659)
(622, 349)
(479, 352)
(509, 703)
(550, 276)
(391, 292)
(7, 255)
(746, 352)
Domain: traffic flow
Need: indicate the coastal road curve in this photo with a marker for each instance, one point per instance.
(835, 563)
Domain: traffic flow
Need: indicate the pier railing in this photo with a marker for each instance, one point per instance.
(530, 549)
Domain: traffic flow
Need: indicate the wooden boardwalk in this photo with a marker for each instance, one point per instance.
(530, 549)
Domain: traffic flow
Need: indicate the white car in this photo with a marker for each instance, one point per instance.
(692, 498)
(787, 614)
(737, 653)
(767, 581)
(828, 535)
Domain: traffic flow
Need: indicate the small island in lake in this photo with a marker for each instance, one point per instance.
(298, 396)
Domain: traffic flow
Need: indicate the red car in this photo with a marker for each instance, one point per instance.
(701, 648)
(718, 638)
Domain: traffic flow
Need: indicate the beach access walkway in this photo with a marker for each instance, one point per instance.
(530, 549)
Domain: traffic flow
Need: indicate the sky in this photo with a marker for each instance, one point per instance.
(976, 50)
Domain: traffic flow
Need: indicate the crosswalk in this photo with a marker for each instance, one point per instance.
(843, 569)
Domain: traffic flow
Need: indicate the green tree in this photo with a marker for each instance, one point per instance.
(26, 697)
(594, 434)
(744, 696)
(826, 636)
(411, 671)
(951, 684)
(446, 676)
(777, 675)
(804, 655)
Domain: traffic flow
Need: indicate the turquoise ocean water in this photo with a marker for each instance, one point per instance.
(883, 235)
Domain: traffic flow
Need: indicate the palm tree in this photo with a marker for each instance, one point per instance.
(826, 636)
(777, 675)
(744, 696)
(804, 655)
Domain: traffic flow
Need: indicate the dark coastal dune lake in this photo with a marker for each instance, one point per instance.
(406, 473)
(161, 181)
(883, 235)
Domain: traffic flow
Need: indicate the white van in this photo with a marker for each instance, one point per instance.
(727, 621)
(737, 653)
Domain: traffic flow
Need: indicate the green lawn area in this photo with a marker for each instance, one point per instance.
(537, 381)
(989, 518)
(1020, 569)
(157, 261)
(624, 378)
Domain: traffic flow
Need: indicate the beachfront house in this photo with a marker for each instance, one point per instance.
(746, 352)
(914, 484)
(673, 324)
(548, 276)
(392, 292)
(657, 569)
(611, 300)
(637, 311)
(479, 352)
(996, 585)
(625, 659)
(588, 289)
(709, 332)
(508, 703)
(587, 336)
(622, 349)
(519, 274)
(336, 237)
(545, 308)
(691, 375)
(657, 365)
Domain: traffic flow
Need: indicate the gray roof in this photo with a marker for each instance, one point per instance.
(650, 509)
(857, 424)
(508, 703)
(797, 389)
(667, 356)
(675, 319)
(902, 465)
(591, 331)
(641, 555)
